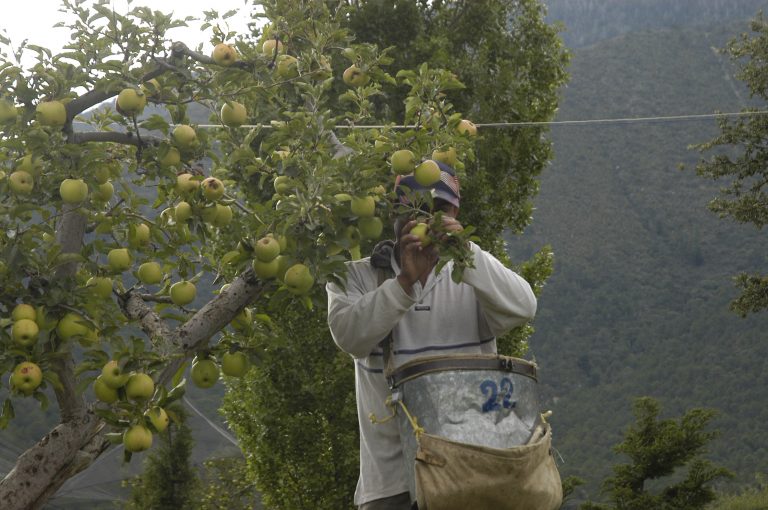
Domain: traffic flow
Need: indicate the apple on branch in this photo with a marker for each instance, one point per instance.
(51, 113)
(26, 377)
(224, 54)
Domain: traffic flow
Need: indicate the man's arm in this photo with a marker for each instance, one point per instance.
(506, 298)
(360, 319)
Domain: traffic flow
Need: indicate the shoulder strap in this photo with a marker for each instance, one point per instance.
(388, 344)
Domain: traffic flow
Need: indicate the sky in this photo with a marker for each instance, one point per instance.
(34, 19)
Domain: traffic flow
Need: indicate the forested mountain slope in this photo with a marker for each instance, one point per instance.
(638, 304)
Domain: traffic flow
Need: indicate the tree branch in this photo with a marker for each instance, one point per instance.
(129, 138)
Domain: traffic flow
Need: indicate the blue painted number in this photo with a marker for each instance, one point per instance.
(490, 390)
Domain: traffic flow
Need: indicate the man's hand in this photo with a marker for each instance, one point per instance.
(416, 261)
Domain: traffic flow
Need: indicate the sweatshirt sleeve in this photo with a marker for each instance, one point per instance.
(360, 319)
(506, 299)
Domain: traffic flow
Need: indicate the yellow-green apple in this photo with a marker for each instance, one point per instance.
(427, 173)
(233, 114)
(355, 77)
(266, 249)
(283, 184)
(213, 188)
(182, 211)
(287, 66)
(137, 439)
(184, 136)
(139, 235)
(370, 227)
(119, 259)
(420, 230)
(298, 279)
(72, 325)
(204, 373)
(268, 48)
(150, 273)
(21, 182)
(343, 197)
(172, 157)
(104, 192)
(26, 377)
(139, 386)
(101, 175)
(448, 156)
(243, 319)
(158, 418)
(208, 214)
(403, 162)
(131, 101)
(186, 183)
(103, 392)
(266, 270)
(363, 206)
(234, 364)
(23, 311)
(467, 127)
(73, 191)
(223, 215)
(112, 375)
(51, 113)
(7, 112)
(183, 292)
(30, 164)
(224, 54)
(100, 285)
(24, 332)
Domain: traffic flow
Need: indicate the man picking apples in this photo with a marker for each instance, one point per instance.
(427, 314)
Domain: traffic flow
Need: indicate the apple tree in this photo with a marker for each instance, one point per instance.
(116, 207)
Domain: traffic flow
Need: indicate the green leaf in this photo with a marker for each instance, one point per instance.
(177, 377)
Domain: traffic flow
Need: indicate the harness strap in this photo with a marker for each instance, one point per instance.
(408, 372)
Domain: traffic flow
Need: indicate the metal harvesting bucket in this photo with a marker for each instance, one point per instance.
(488, 400)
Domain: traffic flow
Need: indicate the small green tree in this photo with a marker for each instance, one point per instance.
(744, 199)
(657, 448)
(226, 484)
(169, 480)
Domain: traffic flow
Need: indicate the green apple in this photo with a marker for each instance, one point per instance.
(448, 156)
(73, 191)
(223, 215)
(268, 48)
(7, 112)
(363, 206)
(137, 439)
(242, 320)
(205, 373)
(119, 259)
(298, 279)
(150, 273)
(213, 188)
(355, 77)
(370, 227)
(224, 54)
(343, 197)
(131, 101)
(23, 311)
(467, 127)
(25, 332)
(172, 157)
(112, 376)
(233, 114)
(21, 182)
(101, 285)
(427, 173)
(184, 136)
(51, 113)
(30, 164)
(420, 230)
(183, 292)
(283, 184)
(71, 325)
(265, 270)
(103, 392)
(186, 183)
(287, 66)
(403, 162)
(26, 377)
(139, 235)
(158, 418)
(139, 386)
(208, 214)
(266, 249)
(234, 364)
(104, 192)
(283, 263)
(182, 211)
(101, 175)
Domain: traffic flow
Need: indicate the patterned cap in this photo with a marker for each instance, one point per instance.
(447, 188)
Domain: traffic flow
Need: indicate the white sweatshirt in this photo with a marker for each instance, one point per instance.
(441, 318)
